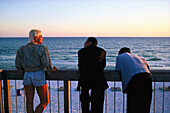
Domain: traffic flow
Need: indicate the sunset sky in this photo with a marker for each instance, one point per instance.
(83, 18)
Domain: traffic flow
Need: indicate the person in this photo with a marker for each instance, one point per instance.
(136, 81)
(91, 63)
(32, 59)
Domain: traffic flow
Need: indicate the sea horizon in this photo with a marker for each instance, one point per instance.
(63, 50)
(80, 37)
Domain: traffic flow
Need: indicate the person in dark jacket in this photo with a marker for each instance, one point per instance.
(91, 63)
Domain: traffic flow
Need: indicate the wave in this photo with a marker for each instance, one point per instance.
(154, 59)
(7, 58)
(62, 62)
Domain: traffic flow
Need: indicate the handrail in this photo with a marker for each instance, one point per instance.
(66, 76)
(73, 75)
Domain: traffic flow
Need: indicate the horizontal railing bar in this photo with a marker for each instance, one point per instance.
(160, 75)
(73, 75)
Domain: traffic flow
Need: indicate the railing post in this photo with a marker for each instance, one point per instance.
(66, 97)
(1, 104)
(7, 98)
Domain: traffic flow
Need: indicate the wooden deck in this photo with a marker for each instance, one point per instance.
(66, 76)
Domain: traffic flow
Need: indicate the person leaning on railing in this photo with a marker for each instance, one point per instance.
(91, 63)
(32, 59)
(136, 81)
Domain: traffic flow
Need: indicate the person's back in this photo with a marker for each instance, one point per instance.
(133, 62)
(130, 65)
(32, 55)
(92, 65)
(91, 62)
(32, 59)
(136, 81)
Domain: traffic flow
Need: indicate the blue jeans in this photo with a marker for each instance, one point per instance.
(34, 78)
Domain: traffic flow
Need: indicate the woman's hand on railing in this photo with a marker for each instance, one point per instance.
(54, 69)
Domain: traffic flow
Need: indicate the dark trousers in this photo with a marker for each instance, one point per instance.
(96, 98)
(139, 94)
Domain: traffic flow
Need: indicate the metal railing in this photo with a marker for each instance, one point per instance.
(67, 76)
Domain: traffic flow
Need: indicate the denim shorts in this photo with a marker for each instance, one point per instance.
(34, 78)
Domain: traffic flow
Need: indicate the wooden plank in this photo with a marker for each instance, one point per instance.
(64, 75)
(7, 98)
(112, 75)
(66, 97)
(160, 75)
(73, 75)
(13, 74)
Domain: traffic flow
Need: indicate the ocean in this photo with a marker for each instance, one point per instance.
(63, 52)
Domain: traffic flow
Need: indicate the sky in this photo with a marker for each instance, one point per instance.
(84, 18)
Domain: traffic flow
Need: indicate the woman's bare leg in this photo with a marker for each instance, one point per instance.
(29, 91)
(44, 98)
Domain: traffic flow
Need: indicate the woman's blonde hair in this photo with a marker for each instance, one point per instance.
(32, 33)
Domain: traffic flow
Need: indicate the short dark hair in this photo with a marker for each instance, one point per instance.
(123, 50)
(93, 40)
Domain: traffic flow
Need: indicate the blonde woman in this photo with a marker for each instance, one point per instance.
(33, 58)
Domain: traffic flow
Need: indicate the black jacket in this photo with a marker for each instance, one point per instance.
(91, 63)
